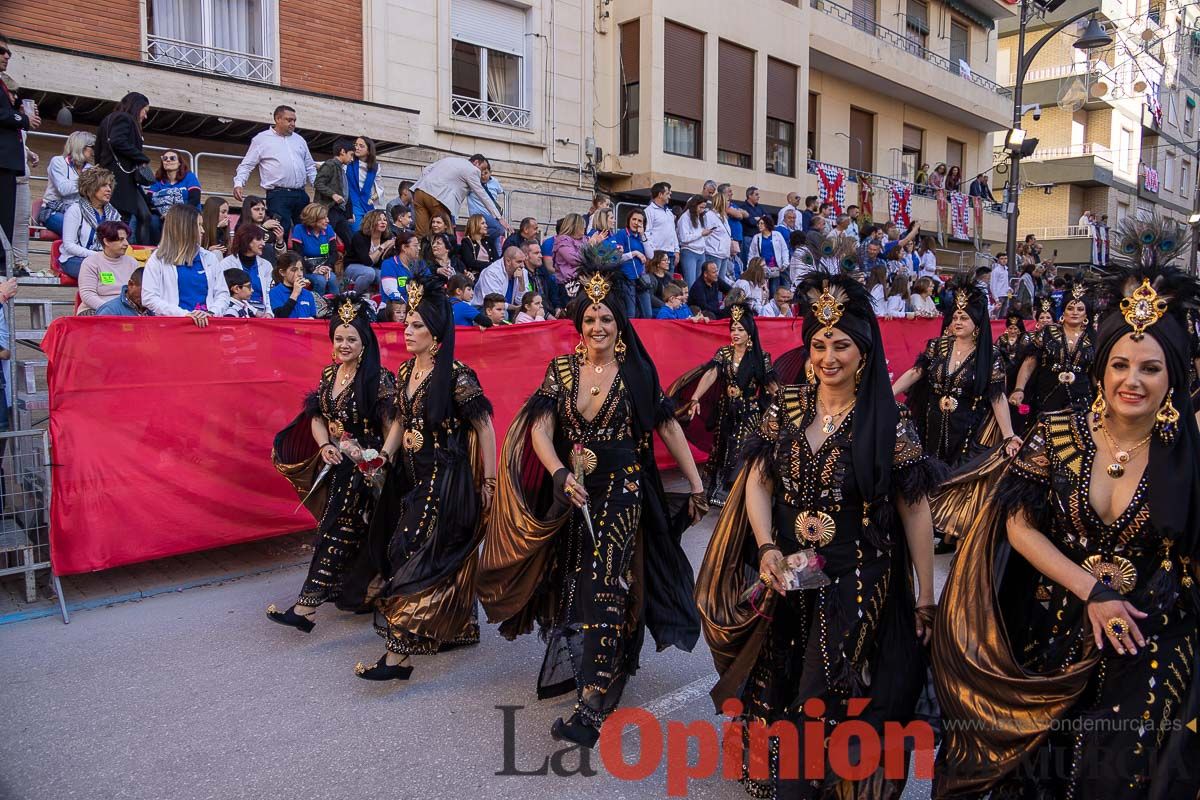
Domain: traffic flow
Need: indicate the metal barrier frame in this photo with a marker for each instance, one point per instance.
(42, 444)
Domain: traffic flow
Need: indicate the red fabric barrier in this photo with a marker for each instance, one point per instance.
(162, 431)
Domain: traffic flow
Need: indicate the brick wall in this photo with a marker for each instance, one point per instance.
(320, 47)
(111, 29)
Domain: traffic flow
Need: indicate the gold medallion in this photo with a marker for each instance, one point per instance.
(1119, 573)
(413, 440)
(734, 391)
(1067, 377)
(815, 527)
(588, 460)
(336, 429)
(948, 404)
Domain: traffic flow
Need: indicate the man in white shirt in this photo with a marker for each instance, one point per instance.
(285, 167)
(506, 276)
(443, 188)
(660, 224)
(998, 285)
(852, 228)
(780, 305)
(1088, 219)
(792, 199)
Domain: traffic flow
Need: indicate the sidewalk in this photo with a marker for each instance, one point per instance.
(138, 581)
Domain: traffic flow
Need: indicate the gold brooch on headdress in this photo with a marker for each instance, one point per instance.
(736, 313)
(961, 300)
(347, 311)
(828, 310)
(415, 292)
(1078, 291)
(597, 288)
(1046, 304)
(1142, 309)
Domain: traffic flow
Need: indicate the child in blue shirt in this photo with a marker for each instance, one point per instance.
(290, 297)
(461, 294)
(673, 307)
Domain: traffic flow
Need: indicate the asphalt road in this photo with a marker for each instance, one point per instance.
(195, 695)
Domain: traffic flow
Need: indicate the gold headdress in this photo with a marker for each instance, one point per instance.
(828, 308)
(1078, 291)
(597, 288)
(347, 311)
(736, 314)
(1047, 305)
(1142, 309)
(415, 292)
(961, 301)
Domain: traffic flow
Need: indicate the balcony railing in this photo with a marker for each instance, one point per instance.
(1069, 232)
(918, 189)
(902, 42)
(1073, 70)
(485, 111)
(1072, 151)
(189, 55)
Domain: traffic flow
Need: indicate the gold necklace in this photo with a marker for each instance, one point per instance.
(418, 373)
(1117, 468)
(599, 370)
(344, 379)
(829, 421)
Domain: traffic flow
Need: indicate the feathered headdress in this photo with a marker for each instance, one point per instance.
(841, 250)
(1148, 243)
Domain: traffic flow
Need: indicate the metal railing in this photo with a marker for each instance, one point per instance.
(918, 189)
(1072, 70)
(544, 207)
(902, 42)
(25, 520)
(487, 111)
(1065, 232)
(197, 57)
(1071, 151)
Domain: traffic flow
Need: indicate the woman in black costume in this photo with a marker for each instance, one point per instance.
(581, 542)
(418, 572)
(353, 401)
(1059, 358)
(836, 467)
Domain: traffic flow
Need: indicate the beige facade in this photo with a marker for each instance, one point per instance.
(1097, 133)
(865, 77)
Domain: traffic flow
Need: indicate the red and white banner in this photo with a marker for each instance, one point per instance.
(900, 205)
(162, 431)
(831, 187)
(960, 216)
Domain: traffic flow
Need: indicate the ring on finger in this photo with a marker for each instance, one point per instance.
(1117, 627)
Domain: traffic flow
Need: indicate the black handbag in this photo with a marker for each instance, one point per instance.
(142, 174)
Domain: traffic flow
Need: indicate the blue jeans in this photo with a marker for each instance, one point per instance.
(71, 266)
(690, 264)
(54, 222)
(360, 278)
(287, 205)
(322, 284)
(726, 268)
(644, 310)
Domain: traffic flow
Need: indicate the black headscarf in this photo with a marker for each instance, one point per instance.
(973, 300)
(752, 367)
(352, 309)
(599, 277)
(427, 297)
(1076, 290)
(1173, 483)
(873, 429)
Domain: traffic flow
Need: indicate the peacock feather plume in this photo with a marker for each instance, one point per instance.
(1148, 243)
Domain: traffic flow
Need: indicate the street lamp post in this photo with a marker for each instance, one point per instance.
(1094, 37)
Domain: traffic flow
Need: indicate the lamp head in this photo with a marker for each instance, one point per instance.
(1093, 37)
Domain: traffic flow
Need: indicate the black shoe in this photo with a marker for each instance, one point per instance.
(290, 618)
(574, 730)
(382, 671)
(944, 546)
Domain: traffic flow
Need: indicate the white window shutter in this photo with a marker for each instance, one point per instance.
(487, 23)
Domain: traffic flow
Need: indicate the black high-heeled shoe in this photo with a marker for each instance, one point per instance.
(575, 730)
(382, 671)
(290, 618)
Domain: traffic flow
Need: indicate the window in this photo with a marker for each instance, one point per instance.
(960, 47)
(1172, 114)
(916, 23)
(956, 153)
(225, 37)
(735, 98)
(1122, 212)
(1185, 174)
(1126, 151)
(1189, 114)
(864, 15)
(862, 140)
(910, 154)
(631, 93)
(813, 151)
(1154, 13)
(1168, 176)
(487, 63)
(683, 90)
(781, 118)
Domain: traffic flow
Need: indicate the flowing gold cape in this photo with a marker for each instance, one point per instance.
(994, 712)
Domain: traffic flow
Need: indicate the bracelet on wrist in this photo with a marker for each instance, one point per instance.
(766, 548)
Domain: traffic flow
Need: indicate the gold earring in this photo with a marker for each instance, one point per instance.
(810, 373)
(1099, 405)
(1166, 421)
(581, 348)
(434, 349)
(862, 365)
(333, 354)
(620, 348)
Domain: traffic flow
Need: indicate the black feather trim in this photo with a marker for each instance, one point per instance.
(1016, 493)
(760, 452)
(538, 405)
(477, 408)
(921, 480)
(665, 411)
(312, 403)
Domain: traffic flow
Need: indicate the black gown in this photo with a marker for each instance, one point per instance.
(952, 421)
(1060, 380)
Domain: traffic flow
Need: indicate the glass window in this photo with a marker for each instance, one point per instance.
(781, 147)
(631, 104)
(960, 47)
(681, 137)
(486, 85)
(225, 37)
(732, 159)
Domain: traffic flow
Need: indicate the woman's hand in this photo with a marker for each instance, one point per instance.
(387, 246)
(925, 614)
(446, 272)
(698, 505)
(1099, 615)
(574, 491)
(1016, 397)
(771, 569)
(323, 270)
(330, 454)
(693, 408)
(297, 287)
(219, 249)
(273, 225)
(199, 317)
(1012, 445)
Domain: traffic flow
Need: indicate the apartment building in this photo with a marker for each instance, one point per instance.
(421, 77)
(1117, 130)
(763, 91)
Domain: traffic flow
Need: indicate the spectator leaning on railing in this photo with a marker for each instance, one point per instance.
(285, 166)
(102, 275)
(182, 278)
(444, 186)
(84, 216)
(62, 178)
(246, 253)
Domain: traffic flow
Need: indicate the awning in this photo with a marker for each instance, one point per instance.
(982, 20)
